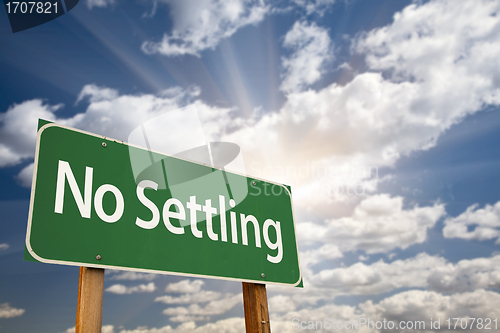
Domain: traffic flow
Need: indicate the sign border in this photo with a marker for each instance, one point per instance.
(141, 270)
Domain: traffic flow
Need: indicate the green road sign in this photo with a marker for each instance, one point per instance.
(99, 202)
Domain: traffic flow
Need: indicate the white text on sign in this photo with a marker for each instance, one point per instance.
(84, 204)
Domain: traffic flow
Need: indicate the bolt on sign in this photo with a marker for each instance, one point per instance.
(90, 207)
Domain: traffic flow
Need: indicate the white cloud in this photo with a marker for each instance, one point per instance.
(413, 305)
(230, 325)
(117, 115)
(4, 246)
(216, 303)
(201, 296)
(6, 311)
(314, 256)
(417, 305)
(434, 65)
(281, 303)
(99, 3)
(311, 47)
(187, 318)
(200, 25)
(378, 277)
(283, 322)
(122, 290)
(104, 329)
(26, 175)
(97, 94)
(379, 224)
(18, 130)
(131, 276)
(421, 271)
(315, 6)
(466, 275)
(486, 223)
(215, 307)
(185, 286)
(108, 113)
(440, 42)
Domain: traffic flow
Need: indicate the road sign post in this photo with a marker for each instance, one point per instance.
(89, 308)
(255, 307)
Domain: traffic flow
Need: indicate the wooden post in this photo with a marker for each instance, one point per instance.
(89, 309)
(255, 305)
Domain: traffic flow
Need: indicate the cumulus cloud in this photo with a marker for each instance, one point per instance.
(422, 271)
(201, 296)
(6, 311)
(281, 303)
(466, 275)
(104, 329)
(378, 277)
(417, 305)
(311, 49)
(18, 130)
(413, 305)
(130, 276)
(485, 222)
(314, 6)
(197, 312)
(324, 252)
(108, 113)
(185, 286)
(379, 224)
(122, 290)
(115, 115)
(460, 41)
(201, 25)
(216, 303)
(426, 71)
(99, 3)
(97, 94)
(230, 325)
(26, 175)
(4, 246)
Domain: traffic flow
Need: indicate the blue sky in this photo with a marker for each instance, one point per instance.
(407, 90)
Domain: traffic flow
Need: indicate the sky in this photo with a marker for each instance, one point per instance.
(381, 115)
